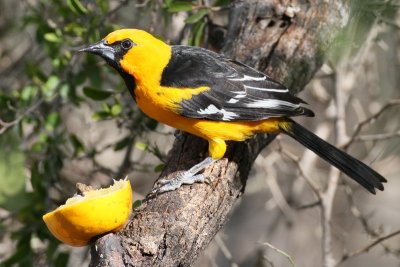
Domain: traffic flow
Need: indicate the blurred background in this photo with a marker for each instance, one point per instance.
(66, 118)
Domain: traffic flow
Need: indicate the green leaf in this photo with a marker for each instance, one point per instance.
(51, 85)
(104, 5)
(150, 123)
(12, 174)
(52, 37)
(75, 28)
(28, 93)
(64, 90)
(116, 109)
(37, 180)
(106, 107)
(76, 7)
(61, 260)
(122, 143)
(197, 16)
(52, 121)
(101, 115)
(136, 204)
(222, 2)
(78, 145)
(180, 6)
(96, 94)
(199, 33)
(141, 146)
(37, 147)
(167, 3)
(159, 167)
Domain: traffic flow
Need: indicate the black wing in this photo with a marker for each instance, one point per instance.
(238, 92)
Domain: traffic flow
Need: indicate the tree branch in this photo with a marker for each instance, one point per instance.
(172, 229)
(367, 247)
(355, 136)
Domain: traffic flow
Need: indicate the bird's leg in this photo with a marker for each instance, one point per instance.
(188, 177)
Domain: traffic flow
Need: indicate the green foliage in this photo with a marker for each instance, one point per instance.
(178, 6)
(136, 204)
(198, 16)
(96, 94)
(11, 170)
(153, 149)
(77, 7)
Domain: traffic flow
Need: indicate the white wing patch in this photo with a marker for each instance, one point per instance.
(233, 100)
(267, 89)
(272, 104)
(240, 94)
(211, 109)
(248, 78)
(237, 97)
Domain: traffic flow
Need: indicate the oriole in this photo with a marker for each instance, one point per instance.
(218, 99)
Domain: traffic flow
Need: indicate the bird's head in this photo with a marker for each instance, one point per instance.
(134, 52)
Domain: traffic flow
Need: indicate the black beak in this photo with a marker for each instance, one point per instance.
(101, 49)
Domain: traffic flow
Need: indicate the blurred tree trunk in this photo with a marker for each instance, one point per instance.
(287, 40)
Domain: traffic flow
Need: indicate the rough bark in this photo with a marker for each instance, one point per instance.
(287, 40)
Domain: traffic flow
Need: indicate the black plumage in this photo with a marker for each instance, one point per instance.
(351, 166)
(237, 91)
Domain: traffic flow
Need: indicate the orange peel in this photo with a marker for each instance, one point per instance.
(96, 212)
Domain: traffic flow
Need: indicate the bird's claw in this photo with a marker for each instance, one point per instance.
(164, 185)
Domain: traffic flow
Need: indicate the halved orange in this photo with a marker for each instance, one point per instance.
(96, 212)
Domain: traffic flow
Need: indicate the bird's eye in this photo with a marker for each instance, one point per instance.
(126, 44)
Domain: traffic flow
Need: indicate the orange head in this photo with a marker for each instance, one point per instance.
(135, 54)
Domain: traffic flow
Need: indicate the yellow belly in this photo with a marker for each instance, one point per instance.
(215, 132)
(225, 130)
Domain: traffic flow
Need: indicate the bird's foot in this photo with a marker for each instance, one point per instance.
(181, 179)
(188, 177)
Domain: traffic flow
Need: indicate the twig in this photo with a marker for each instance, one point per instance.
(275, 189)
(211, 259)
(367, 248)
(326, 213)
(308, 206)
(328, 196)
(309, 159)
(143, 4)
(90, 153)
(281, 252)
(368, 120)
(7, 124)
(225, 250)
(357, 213)
(364, 221)
(270, 262)
(315, 188)
(126, 162)
(113, 11)
(377, 137)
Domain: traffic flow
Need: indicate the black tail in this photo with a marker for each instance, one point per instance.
(354, 168)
